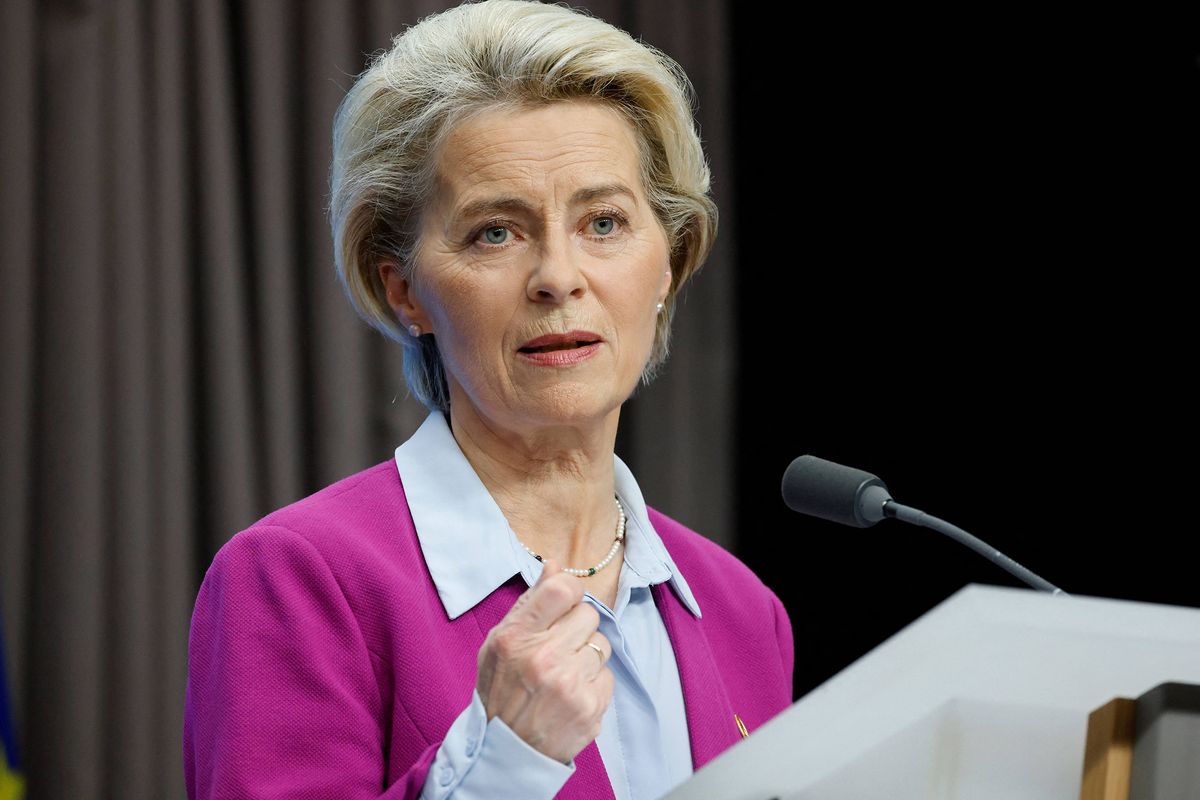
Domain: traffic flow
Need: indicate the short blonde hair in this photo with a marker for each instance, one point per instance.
(477, 57)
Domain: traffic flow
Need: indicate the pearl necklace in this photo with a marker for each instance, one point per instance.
(584, 573)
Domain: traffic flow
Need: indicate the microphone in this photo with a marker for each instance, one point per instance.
(849, 496)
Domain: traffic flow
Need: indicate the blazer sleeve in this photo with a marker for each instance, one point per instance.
(282, 697)
(787, 647)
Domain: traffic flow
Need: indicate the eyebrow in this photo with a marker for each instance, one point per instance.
(517, 204)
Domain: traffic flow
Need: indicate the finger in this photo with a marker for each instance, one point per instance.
(572, 630)
(554, 594)
(598, 661)
(549, 567)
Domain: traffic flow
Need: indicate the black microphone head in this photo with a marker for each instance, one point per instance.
(831, 491)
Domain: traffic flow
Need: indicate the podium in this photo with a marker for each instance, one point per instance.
(985, 697)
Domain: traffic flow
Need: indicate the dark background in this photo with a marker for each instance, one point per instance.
(963, 244)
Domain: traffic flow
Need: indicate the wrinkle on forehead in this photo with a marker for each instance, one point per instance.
(545, 145)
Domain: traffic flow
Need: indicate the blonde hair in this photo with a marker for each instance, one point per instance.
(477, 57)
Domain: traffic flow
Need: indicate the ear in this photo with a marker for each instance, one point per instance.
(665, 286)
(401, 297)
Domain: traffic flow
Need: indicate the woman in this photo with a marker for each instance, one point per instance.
(518, 193)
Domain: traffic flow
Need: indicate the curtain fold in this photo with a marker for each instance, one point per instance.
(72, 481)
(128, 534)
(229, 434)
(266, 44)
(178, 357)
(177, 549)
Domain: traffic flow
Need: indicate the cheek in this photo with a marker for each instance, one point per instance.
(639, 323)
(472, 319)
(450, 300)
(651, 328)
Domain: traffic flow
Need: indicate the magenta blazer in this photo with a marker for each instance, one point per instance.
(322, 663)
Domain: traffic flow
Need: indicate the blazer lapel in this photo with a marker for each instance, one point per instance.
(590, 779)
(491, 609)
(711, 726)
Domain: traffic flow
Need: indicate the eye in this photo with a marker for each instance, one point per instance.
(495, 234)
(604, 225)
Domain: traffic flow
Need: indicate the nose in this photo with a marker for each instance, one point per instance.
(556, 274)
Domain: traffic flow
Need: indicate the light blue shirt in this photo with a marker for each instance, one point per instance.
(471, 550)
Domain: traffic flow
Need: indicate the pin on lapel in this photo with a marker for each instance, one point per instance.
(741, 726)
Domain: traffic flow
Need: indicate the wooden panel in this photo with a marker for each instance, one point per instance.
(1108, 755)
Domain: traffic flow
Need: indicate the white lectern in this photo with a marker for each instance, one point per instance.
(986, 697)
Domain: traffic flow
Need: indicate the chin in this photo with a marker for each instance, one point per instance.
(570, 404)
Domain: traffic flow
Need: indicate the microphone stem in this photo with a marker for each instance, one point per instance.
(914, 517)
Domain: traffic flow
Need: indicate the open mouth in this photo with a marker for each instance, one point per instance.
(557, 342)
(565, 345)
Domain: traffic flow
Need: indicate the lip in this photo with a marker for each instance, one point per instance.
(561, 358)
(561, 338)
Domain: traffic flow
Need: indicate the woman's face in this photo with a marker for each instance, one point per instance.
(539, 227)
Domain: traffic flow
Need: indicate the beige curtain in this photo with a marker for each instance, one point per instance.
(178, 359)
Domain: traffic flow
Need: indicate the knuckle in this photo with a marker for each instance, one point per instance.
(559, 593)
(541, 664)
(530, 676)
(505, 641)
(563, 685)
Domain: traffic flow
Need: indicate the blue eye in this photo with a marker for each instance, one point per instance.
(495, 234)
(604, 225)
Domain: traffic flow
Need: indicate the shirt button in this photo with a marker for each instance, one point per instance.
(472, 743)
(446, 776)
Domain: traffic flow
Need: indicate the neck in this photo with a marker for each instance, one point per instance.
(554, 484)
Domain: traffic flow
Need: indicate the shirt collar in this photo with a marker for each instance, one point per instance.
(467, 542)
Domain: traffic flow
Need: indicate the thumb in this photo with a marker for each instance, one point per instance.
(536, 610)
(549, 567)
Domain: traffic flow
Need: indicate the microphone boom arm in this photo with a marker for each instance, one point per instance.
(912, 516)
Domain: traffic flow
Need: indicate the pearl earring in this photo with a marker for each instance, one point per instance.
(659, 307)
(414, 330)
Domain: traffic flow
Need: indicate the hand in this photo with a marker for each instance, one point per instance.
(537, 673)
